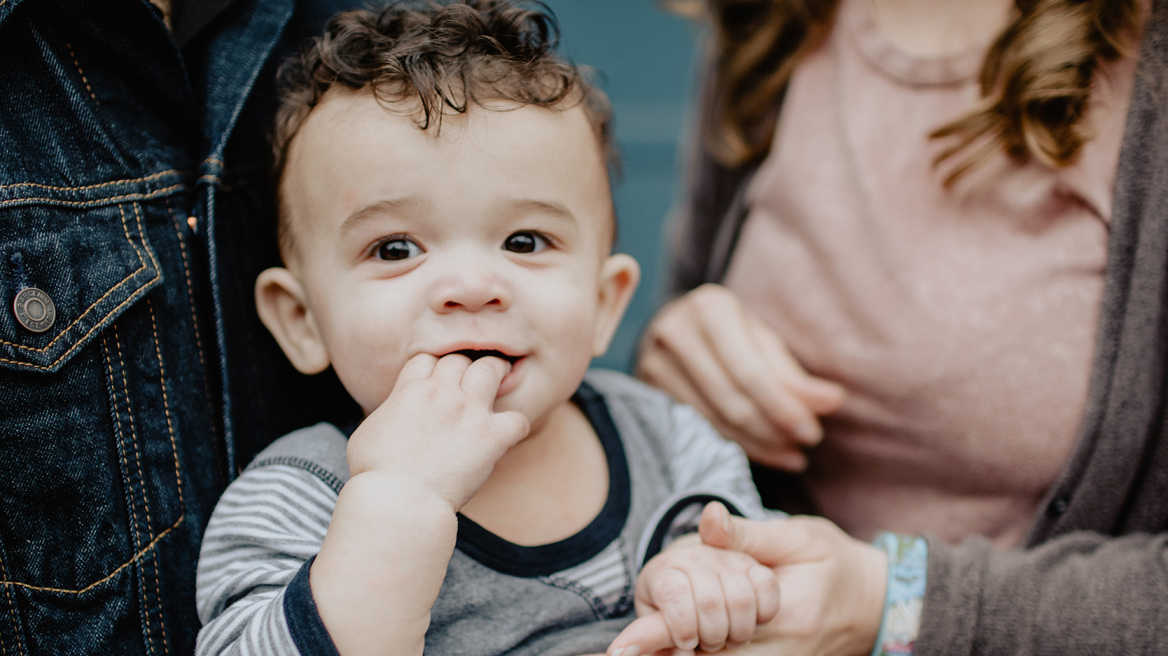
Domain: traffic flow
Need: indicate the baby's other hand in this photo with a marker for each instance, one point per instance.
(692, 595)
(438, 426)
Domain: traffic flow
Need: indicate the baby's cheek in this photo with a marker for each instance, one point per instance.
(369, 385)
(578, 335)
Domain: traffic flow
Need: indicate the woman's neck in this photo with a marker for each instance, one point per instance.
(935, 27)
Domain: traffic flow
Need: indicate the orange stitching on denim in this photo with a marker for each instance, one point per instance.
(121, 452)
(190, 285)
(69, 47)
(142, 232)
(121, 440)
(64, 355)
(109, 576)
(173, 450)
(99, 185)
(166, 406)
(46, 347)
(194, 311)
(141, 473)
(100, 201)
(108, 357)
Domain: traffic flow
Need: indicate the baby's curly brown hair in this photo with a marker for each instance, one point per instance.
(446, 56)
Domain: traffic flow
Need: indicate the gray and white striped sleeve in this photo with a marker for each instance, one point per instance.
(262, 536)
(705, 462)
(704, 467)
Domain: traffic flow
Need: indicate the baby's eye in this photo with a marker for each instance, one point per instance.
(398, 248)
(526, 242)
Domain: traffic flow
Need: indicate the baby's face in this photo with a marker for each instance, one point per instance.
(491, 237)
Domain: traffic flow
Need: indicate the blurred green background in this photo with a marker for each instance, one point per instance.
(645, 56)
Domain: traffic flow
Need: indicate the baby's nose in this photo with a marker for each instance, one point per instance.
(472, 287)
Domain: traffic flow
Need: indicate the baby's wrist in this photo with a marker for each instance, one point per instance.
(399, 493)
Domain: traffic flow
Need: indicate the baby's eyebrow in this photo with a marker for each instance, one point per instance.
(412, 204)
(548, 208)
(381, 207)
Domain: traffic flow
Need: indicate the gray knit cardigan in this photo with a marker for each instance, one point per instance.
(1092, 576)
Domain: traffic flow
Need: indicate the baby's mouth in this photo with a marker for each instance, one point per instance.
(475, 354)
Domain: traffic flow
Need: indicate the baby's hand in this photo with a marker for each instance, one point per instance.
(692, 595)
(438, 427)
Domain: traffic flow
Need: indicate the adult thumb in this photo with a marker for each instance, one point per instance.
(768, 541)
(822, 397)
(647, 635)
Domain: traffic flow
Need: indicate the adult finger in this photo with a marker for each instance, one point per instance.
(762, 375)
(704, 360)
(715, 527)
(658, 367)
(770, 542)
(661, 369)
(760, 440)
(714, 337)
(683, 362)
(821, 396)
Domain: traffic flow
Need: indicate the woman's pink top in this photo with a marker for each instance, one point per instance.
(961, 320)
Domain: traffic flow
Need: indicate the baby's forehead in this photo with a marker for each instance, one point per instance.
(352, 143)
(367, 115)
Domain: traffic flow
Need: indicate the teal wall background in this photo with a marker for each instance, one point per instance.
(645, 58)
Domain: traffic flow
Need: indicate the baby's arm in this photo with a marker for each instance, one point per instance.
(381, 557)
(414, 462)
(692, 595)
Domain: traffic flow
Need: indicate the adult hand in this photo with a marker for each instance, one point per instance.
(831, 585)
(831, 589)
(708, 350)
(693, 594)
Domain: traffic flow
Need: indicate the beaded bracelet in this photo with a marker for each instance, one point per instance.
(908, 559)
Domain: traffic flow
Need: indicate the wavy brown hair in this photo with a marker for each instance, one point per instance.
(444, 58)
(1035, 80)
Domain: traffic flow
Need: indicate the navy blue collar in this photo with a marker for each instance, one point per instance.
(545, 559)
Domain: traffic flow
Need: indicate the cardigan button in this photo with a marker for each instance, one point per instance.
(34, 310)
(1059, 506)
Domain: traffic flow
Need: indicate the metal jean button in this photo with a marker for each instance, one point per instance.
(34, 310)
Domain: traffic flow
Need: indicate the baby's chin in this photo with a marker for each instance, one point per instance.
(538, 420)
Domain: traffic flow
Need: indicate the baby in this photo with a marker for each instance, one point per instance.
(446, 223)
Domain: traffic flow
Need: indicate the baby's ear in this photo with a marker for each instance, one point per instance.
(282, 305)
(619, 275)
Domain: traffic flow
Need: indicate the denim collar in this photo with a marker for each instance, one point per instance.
(6, 9)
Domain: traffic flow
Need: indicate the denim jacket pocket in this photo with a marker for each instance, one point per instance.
(90, 481)
(88, 255)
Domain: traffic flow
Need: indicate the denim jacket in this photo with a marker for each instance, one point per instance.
(137, 380)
